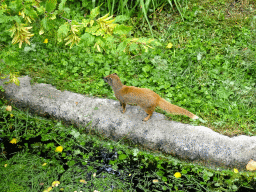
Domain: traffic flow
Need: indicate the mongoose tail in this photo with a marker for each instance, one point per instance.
(174, 109)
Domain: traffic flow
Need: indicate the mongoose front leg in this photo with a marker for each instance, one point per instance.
(124, 107)
(147, 118)
(150, 113)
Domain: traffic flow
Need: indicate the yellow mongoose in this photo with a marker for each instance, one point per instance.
(145, 98)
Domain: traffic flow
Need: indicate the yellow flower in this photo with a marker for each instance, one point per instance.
(49, 189)
(169, 45)
(236, 171)
(155, 180)
(44, 164)
(5, 165)
(19, 13)
(83, 181)
(46, 41)
(177, 175)
(11, 115)
(59, 149)
(13, 141)
(55, 183)
(8, 108)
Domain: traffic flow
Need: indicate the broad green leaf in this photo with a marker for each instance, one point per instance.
(88, 38)
(95, 12)
(122, 29)
(146, 68)
(121, 18)
(50, 5)
(16, 18)
(121, 47)
(40, 9)
(122, 157)
(44, 23)
(85, 22)
(133, 47)
(75, 133)
(99, 32)
(62, 5)
(31, 13)
(16, 5)
(92, 29)
(4, 18)
(99, 41)
(63, 31)
(67, 10)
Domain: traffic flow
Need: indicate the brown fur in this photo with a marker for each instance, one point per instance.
(145, 98)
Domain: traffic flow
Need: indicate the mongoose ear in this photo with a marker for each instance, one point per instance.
(114, 74)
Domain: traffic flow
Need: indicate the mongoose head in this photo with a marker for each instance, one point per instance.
(110, 78)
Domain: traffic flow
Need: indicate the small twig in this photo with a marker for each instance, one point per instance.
(69, 20)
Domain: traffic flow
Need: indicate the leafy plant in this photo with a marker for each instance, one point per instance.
(102, 33)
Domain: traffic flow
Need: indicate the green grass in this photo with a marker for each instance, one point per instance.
(24, 172)
(210, 70)
(36, 165)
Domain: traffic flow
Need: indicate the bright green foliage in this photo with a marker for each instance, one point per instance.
(50, 5)
(63, 31)
(122, 29)
(95, 12)
(62, 4)
(102, 34)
